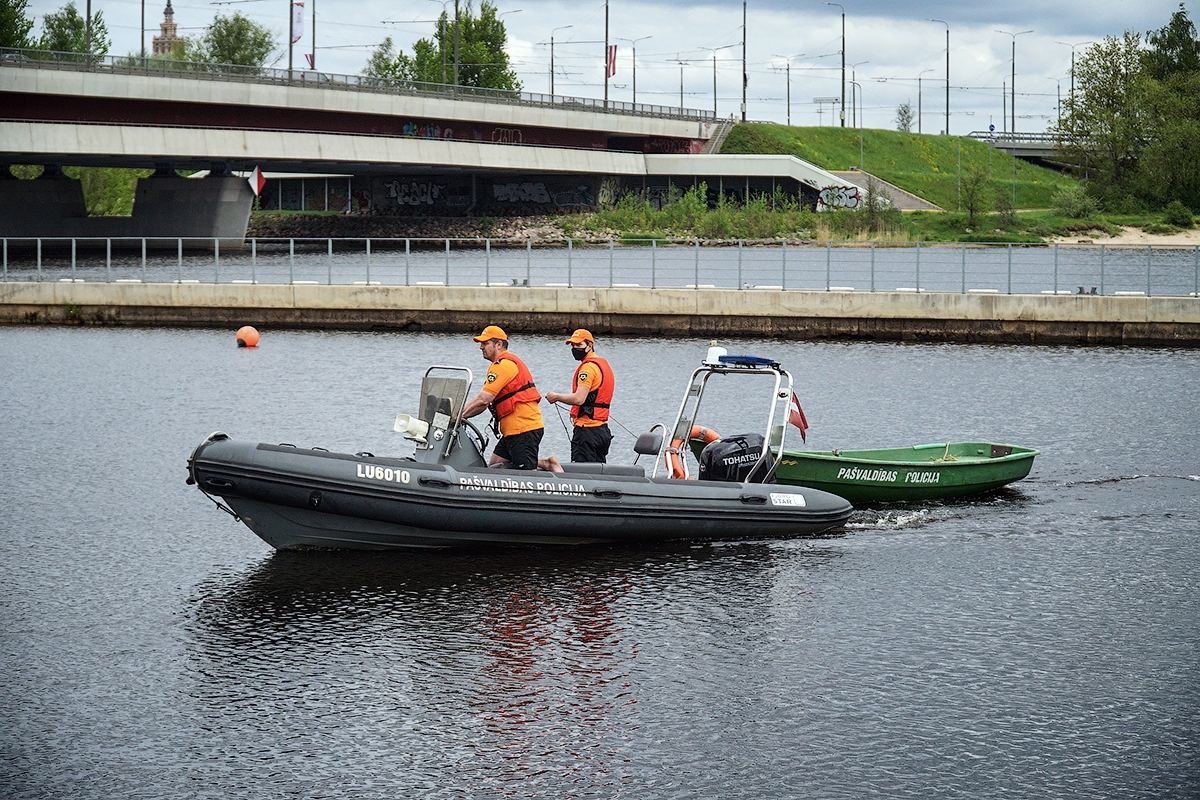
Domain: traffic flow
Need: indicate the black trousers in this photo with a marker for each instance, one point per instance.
(591, 444)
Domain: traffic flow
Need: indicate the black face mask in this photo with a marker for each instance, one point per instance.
(580, 353)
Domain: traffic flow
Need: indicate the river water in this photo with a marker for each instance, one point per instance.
(1040, 642)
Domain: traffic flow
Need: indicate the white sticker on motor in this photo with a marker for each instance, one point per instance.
(780, 499)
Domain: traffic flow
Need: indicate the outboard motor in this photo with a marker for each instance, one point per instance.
(731, 459)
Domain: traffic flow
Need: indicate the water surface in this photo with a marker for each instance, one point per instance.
(1042, 641)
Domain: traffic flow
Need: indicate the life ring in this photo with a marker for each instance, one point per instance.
(674, 454)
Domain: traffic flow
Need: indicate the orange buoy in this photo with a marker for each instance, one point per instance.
(674, 453)
(247, 337)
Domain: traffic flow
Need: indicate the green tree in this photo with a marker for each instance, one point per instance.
(482, 61)
(1174, 48)
(235, 40)
(1168, 168)
(65, 31)
(387, 67)
(904, 117)
(14, 25)
(975, 182)
(1107, 125)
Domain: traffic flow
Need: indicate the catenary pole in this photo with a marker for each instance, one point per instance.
(947, 24)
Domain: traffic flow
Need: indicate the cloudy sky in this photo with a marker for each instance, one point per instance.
(892, 44)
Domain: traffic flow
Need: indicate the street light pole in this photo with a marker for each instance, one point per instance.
(633, 50)
(745, 76)
(853, 102)
(552, 30)
(456, 42)
(1014, 36)
(842, 107)
(919, 74)
(858, 94)
(947, 24)
(1073, 45)
(714, 54)
(606, 53)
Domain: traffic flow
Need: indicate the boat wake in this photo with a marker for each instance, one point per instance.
(1121, 478)
(889, 520)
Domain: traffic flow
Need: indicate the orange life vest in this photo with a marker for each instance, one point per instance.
(598, 401)
(519, 390)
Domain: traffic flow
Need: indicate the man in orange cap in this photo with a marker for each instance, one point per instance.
(590, 398)
(509, 392)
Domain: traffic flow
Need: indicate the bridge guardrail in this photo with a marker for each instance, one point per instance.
(1014, 138)
(165, 67)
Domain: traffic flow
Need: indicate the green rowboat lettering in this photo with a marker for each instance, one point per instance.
(859, 474)
(923, 477)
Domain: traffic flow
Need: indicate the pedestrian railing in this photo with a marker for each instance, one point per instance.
(775, 265)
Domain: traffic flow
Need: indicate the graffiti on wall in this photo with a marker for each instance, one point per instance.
(427, 131)
(580, 196)
(673, 146)
(414, 193)
(506, 136)
(527, 192)
(838, 197)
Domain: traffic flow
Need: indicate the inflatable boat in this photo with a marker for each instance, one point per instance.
(446, 496)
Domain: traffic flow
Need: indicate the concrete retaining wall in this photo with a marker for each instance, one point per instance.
(1033, 319)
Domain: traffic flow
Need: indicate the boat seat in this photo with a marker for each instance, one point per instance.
(598, 468)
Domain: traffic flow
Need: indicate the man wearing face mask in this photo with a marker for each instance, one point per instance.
(590, 399)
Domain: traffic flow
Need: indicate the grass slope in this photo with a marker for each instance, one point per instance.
(925, 165)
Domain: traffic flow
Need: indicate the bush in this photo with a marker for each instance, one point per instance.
(1074, 202)
(1126, 205)
(1177, 214)
(1005, 213)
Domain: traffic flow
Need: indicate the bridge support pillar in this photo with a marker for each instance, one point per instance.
(196, 210)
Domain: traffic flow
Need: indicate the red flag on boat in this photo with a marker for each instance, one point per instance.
(796, 417)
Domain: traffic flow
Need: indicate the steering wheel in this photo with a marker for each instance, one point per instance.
(478, 439)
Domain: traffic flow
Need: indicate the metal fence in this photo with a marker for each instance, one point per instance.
(171, 68)
(616, 263)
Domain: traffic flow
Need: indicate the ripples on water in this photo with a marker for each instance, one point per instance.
(1041, 641)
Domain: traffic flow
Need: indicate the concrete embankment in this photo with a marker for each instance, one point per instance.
(1031, 319)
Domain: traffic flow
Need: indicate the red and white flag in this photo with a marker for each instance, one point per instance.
(611, 68)
(257, 181)
(796, 417)
(308, 58)
(297, 21)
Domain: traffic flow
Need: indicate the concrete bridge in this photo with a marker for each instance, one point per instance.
(1038, 148)
(466, 142)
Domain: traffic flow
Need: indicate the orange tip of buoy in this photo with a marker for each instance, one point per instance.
(247, 337)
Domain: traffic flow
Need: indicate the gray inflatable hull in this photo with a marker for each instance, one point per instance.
(295, 498)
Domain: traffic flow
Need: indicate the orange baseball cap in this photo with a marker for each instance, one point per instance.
(492, 332)
(580, 336)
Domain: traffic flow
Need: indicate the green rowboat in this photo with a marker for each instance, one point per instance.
(899, 474)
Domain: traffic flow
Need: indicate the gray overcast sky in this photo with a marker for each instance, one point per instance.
(896, 40)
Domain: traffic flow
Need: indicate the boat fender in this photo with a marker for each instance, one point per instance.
(674, 454)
